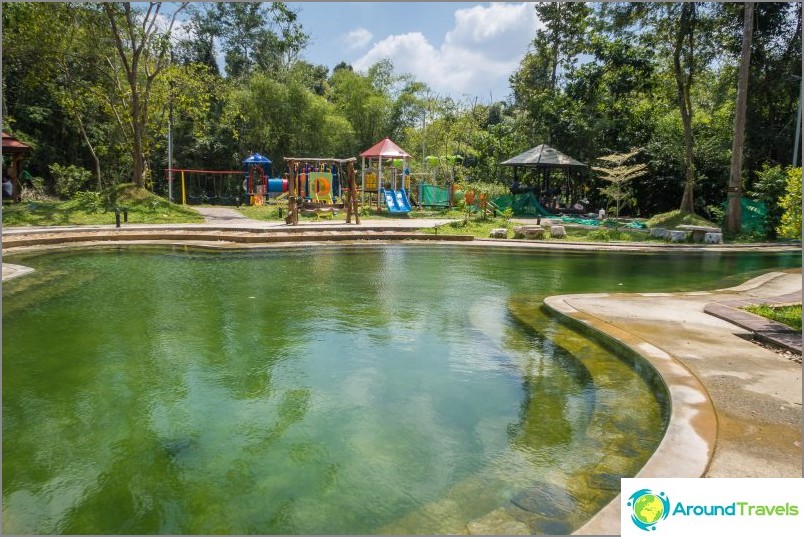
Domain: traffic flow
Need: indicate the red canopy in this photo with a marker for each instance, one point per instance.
(12, 145)
(384, 148)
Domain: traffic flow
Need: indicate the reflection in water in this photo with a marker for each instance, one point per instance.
(397, 389)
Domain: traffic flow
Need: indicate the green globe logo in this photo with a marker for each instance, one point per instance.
(648, 508)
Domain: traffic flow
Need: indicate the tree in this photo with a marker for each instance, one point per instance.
(618, 173)
(733, 221)
(255, 37)
(142, 48)
(684, 68)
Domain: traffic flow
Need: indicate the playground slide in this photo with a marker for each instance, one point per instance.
(396, 201)
(402, 200)
(390, 201)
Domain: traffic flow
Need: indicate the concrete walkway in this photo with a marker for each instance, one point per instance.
(736, 406)
(222, 215)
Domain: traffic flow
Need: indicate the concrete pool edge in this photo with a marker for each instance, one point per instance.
(699, 441)
(254, 234)
(688, 443)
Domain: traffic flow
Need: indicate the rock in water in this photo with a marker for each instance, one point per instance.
(545, 499)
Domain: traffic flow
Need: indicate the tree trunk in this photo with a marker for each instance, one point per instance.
(92, 152)
(734, 221)
(683, 83)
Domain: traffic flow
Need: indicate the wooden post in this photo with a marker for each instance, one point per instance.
(353, 204)
(292, 187)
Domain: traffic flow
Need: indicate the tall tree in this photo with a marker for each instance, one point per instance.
(683, 69)
(254, 36)
(733, 222)
(143, 50)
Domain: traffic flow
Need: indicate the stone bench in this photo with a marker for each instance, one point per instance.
(528, 232)
(558, 232)
(499, 233)
(713, 238)
(699, 232)
(678, 236)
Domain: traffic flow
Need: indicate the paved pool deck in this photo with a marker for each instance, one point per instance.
(736, 406)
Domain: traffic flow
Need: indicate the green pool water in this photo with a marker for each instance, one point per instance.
(394, 389)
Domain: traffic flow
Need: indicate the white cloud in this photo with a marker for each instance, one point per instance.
(477, 55)
(357, 39)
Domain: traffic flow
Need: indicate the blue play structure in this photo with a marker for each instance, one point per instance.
(397, 201)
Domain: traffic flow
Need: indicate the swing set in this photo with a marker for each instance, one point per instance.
(215, 187)
(253, 185)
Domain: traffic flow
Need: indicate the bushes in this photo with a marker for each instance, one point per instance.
(769, 189)
(69, 179)
(790, 204)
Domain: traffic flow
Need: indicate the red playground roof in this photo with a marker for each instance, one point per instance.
(12, 145)
(384, 148)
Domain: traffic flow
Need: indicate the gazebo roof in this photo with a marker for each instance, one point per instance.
(256, 158)
(543, 156)
(12, 145)
(384, 148)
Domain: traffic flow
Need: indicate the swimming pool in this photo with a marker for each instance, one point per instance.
(391, 389)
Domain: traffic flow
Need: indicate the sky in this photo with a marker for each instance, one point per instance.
(460, 49)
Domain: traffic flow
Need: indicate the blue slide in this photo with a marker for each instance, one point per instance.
(396, 201)
(402, 200)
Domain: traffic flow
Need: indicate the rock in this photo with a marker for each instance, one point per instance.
(713, 238)
(658, 232)
(528, 232)
(499, 233)
(546, 500)
(497, 522)
(605, 481)
(678, 236)
(558, 232)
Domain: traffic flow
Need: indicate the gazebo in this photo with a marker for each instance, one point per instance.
(388, 151)
(17, 151)
(546, 159)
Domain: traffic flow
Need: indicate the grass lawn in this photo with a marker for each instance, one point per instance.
(143, 208)
(789, 315)
(676, 218)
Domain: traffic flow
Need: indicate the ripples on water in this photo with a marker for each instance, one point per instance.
(335, 391)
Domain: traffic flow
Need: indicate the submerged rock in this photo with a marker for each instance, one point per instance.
(545, 499)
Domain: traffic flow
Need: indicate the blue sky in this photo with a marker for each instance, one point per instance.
(457, 48)
(466, 50)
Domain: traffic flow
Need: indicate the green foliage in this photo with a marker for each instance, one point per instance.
(69, 179)
(65, 89)
(769, 188)
(670, 220)
(790, 204)
(789, 315)
(616, 171)
(89, 201)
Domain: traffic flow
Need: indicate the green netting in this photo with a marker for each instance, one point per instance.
(753, 215)
(605, 223)
(430, 195)
(522, 204)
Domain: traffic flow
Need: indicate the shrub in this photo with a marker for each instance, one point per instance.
(790, 204)
(69, 179)
(769, 189)
(89, 201)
